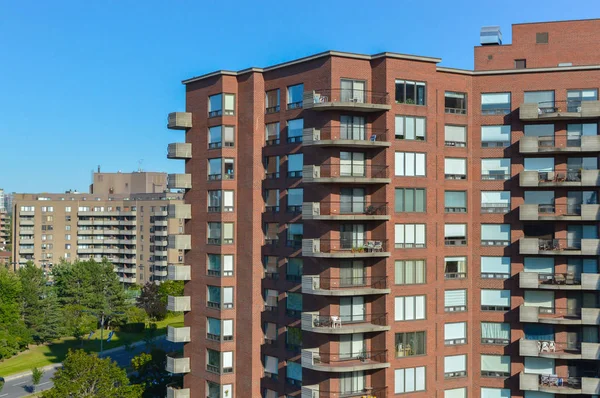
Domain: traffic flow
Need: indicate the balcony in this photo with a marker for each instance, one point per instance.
(161, 233)
(26, 213)
(560, 178)
(177, 363)
(160, 273)
(312, 391)
(179, 150)
(25, 250)
(558, 350)
(345, 211)
(179, 304)
(179, 272)
(127, 280)
(180, 242)
(26, 222)
(346, 174)
(178, 334)
(161, 223)
(26, 241)
(179, 181)
(559, 316)
(177, 392)
(559, 110)
(557, 144)
(182, 211)
(497, 208)
(559, 247)
(179, 121)
(564, 281)
(344, 248)
(336, 362)
(358, 286)
(160, 251)
(346, 100)
(559, 385)
(125, 270)
(565, 212)
(350, 137)
(338, 324)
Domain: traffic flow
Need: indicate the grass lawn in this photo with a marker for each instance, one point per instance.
(43, 355)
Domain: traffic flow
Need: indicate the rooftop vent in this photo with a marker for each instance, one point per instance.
(490, 35)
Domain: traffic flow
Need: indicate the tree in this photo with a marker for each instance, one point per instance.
(170, 288)
(78, 323)
(36, 377)
(10, 294)
(150, 302)
(151, 373)
(39, 305)
(86, 376)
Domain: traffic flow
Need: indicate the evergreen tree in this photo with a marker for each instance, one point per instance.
(10, 294)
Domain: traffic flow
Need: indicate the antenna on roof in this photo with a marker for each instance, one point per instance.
(140, 165)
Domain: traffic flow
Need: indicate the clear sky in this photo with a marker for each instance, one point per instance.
(88, 83)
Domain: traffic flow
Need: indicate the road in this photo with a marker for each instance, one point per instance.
(21, 387)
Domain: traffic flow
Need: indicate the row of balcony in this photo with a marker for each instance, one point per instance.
(553, 384)
(339, 362)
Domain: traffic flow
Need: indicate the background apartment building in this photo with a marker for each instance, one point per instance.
(380, 225)
(120, 222)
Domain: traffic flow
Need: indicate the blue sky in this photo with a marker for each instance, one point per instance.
(88, 83)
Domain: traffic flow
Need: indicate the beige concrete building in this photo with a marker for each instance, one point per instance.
(4, 225)
(129, 229)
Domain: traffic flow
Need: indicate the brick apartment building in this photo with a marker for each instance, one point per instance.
(372, 226)
(124, 219)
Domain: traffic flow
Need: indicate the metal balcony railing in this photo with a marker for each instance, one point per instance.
(568, 278)
(351, 95)
(372, 282)
(339, 321)
(354, 245)
(559, 244)
(328, 208)
(330, 358)
(560, 210)
(561, 175)
(353, 170)
(350, 132)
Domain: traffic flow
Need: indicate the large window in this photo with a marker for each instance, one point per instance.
(220, 169)
(295, 233)
(576, 97)
(353, 91)
(495, 169)
(455, 234)
(220, 265)
(294, 200)
(410, 92)
(455, 102)
(272, 133)
(272, 200)
(495, 366)
(352, 127)
(495, 136)
(458, 393)
(294, 96)
(271, 367)
(455, 168)
(495, 300)
(220, 201)
(495, 333)
(295, 162)
(495, 201)
(272, 101)
(455, 300)
(455, 267)
(220, 233)
(495, 104)
(576, 131)
(272, 167)
(495, 234)
(294, 130)
(455, 366)
(293, 373)
(544, 99)
(409, 380)
(219, 136)
(410, 164)
(409, 272)
(410, 344)
(410, 236)
(455, 201)
(455, 333)
(352, 382)
(410, 200)
(409, 308)
(293, 271)
(455, 135)
(410, 128)
(487, 392)
(293, 304)
(221, 104)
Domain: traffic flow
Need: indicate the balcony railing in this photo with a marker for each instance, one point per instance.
(564, 175)
(371, 282)
(313, 391)
(556, 312)
(347, 171)
(559, 244)
(341, 321)
(561, 383)
(353, 245)
(360, 133)
(325, 97)
(495, 207)
(337, 358)
(559, 143)
(495, 176)
(557, 110)
(328, 208)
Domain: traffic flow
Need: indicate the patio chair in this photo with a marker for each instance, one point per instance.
(370, 246)
(378, 247)
(336, 321)
(559, 279)
(570, 279)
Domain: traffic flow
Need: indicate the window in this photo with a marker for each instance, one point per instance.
(218, 102)
(495, 234)
(410, 92)
(544, 99)
(271, 367)
(270, 329)
(541, 38)
(455, 366)
(220, 168)
(228, 297)
(410, 236)
(219, 330)
(455, 267)
(272, 101)
(353, 91)
(220, 233)
(271, 167)
(219, 362)
(271, 299)
(495, 201)
(68, 209)
(294, 96)
(495, 169)
(294, 130)
(495, 392)
(409, 380)
(293, 304)
(410, 164)
(295, 162)
(495, 333)
(458, 393)
(409, 272)
(455, 102)
(67, 227)
(455, 135)
(410, 344)
(455, 168)
(352, 383)
(495, 104)
(272, 200)
(576, 97)
(409, 200)
(67, 246)
(220, 136)
(495, 136)
(520, 64)
(352, 127)
(409, 308)
(294, 235)
(495, 366)
(271, 233)
(455, 333)
(455, 300)
(455, 234)
(495, 267)
(293, 373)
(410, 128)
(272, 133)
(352, 164)
(495, 300)
(293, 270)
(455, 201)
(295, 197)
(576, 131)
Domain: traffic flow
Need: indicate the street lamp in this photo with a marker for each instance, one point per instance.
(102, 315)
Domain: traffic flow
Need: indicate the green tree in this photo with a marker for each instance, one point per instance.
(170, 288)
(151, 373)
(86, 376)
(40, 309)
(78, 323)
(10, 295)
(36, 377)
(150, 301)
(135, 315)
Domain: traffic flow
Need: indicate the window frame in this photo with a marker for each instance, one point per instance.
(414, 196)
(403, 266)
(405, 100)
(416, 138)
(405, 343)
(449, 110)
(497, 111)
